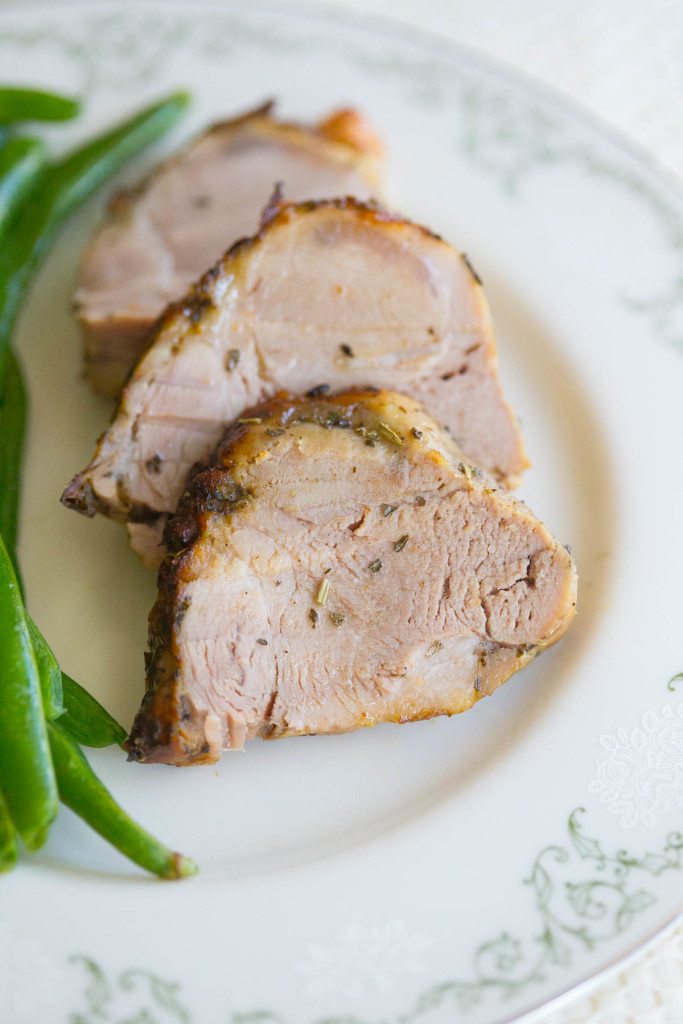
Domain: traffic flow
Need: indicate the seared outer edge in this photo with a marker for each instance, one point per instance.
(339, 142)
(343, 137)
(165, 728)
(184, 315)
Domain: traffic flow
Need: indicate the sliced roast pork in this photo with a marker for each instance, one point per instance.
(340, 563)
(335, 292)
(159, 238)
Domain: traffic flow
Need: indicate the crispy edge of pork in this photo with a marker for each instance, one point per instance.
(344, 138)
(168, 728)
(101, 486)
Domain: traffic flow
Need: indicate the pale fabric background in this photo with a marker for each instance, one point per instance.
(623, 60)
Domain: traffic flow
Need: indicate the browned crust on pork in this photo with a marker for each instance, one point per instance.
(78, 494)
(166, 723)
(128, 336)
(345, 128)
(279, 211)
(350, 128)
(344, 132)
(164, 729)
(167, 728)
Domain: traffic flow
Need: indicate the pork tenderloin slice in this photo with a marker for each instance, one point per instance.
(340, 564)
(336, 292)
(158, 238)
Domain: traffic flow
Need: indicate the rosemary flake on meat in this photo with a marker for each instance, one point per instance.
(232, 359)
(385, 431)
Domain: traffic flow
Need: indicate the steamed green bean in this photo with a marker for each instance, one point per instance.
(82, 791)
(49, 673)
(85, 720)
(26, 774)
(22, 104)
(12, 436)
(8, 838)
(21, 161)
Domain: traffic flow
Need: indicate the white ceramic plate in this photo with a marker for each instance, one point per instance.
(455, 870)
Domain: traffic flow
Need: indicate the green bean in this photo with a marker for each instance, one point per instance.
(64, 186)
(8, 838)
(26, 773)
(29, 233)
(79, 713)
(85, 720)
(12, 436)
(19, 104)
(30, 749)
(12, 428)
(49, 673)
(82, 791)
(21, 161)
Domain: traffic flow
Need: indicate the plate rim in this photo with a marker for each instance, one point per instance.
(421, 38)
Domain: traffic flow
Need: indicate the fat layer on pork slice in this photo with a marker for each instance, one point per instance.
(340, 564)
(157, 239)
(333, 292)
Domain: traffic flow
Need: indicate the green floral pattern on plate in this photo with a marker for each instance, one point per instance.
(580, 912)
(674, 681)
(507, 134)
(158, 999)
